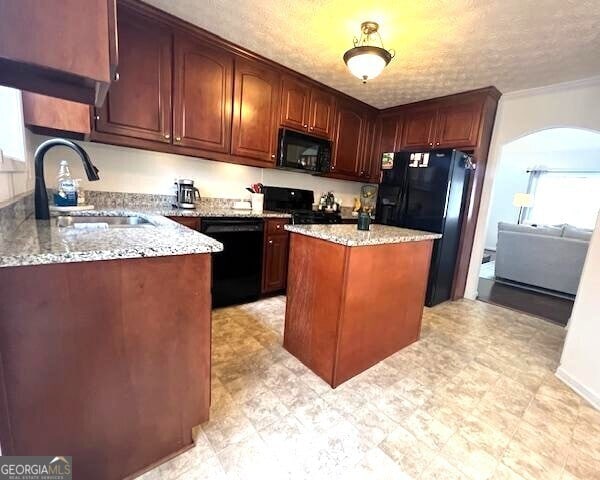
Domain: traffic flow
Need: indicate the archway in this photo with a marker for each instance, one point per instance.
(546, 182)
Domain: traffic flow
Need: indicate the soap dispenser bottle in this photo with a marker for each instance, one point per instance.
(66, 191)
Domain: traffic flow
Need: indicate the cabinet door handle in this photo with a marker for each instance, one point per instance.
(167, 136)
(278, 227)
(430, 144)
(305, 126)
(437, 143)
(96, 117)
(312, 128)
(117, 76)
(273, 156)
(270, 242)
(178, 139)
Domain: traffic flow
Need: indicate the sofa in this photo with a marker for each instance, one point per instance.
(549, 257)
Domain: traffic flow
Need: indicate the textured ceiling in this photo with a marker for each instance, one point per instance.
(442, 47)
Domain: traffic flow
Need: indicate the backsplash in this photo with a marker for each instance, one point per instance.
(13, 214)
(105, 200)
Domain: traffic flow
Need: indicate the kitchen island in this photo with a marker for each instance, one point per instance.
(354, 298)
(105, 333)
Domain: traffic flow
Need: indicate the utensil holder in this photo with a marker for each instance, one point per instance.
(257, 200)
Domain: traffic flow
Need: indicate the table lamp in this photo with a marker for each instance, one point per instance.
(522, 200)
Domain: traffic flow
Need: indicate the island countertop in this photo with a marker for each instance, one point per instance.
(350, 236)
(42, 242)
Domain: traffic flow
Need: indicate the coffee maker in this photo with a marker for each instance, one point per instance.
(186, 193)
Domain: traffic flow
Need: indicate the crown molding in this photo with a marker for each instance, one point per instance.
(555, 87)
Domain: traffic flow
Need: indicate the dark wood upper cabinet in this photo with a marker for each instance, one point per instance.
(306, 108)
(295, 97)
(451, 122)
(138, 105)
(350, 123)
(66, 49)
(390, 133)
(255, 111)
(202, 94)
(321, 113)
(457, 125)
(55, 116)
(371, 159)
(419, 128)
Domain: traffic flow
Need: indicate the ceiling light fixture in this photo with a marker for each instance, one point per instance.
(367, 60)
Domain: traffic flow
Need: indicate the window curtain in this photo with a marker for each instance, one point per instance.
(564, 197)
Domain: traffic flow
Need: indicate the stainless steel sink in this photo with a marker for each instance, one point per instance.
(85, 221)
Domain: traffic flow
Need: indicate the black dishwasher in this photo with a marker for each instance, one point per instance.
(237, 270)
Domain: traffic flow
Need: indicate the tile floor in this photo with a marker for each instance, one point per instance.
(475, 398)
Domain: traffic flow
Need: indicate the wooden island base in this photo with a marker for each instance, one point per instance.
(348, 308)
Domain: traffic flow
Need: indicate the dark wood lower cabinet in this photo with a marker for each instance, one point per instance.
(275, 256)
(275, 251)
(104, 363)
(190, 222)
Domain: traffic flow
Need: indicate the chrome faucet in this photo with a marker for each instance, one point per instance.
(42, 211)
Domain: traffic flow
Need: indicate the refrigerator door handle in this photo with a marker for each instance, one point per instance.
(406, 200)
(405, 191)
(391, 220)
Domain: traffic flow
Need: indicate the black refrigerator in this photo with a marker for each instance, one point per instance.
(427, 191)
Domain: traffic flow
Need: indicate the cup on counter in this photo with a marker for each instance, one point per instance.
(364, 221)
(257, 200)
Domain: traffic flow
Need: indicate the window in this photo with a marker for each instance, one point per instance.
(565, 197)
(12, 133)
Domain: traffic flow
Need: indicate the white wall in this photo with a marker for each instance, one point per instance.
(580, 361)
(141, 171)
(512, 177)
(15, 180)
(573, 104)
(16, 176)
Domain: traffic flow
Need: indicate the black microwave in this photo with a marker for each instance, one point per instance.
(301, 152)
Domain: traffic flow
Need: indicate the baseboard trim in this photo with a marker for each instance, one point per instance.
(585, 392)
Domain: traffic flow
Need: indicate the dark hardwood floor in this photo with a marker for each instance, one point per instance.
(554, 309)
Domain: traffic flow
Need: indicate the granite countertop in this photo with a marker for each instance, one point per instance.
(39, 242)
(350, 236)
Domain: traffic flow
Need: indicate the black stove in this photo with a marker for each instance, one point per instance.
(308, 217)
(298, 203)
